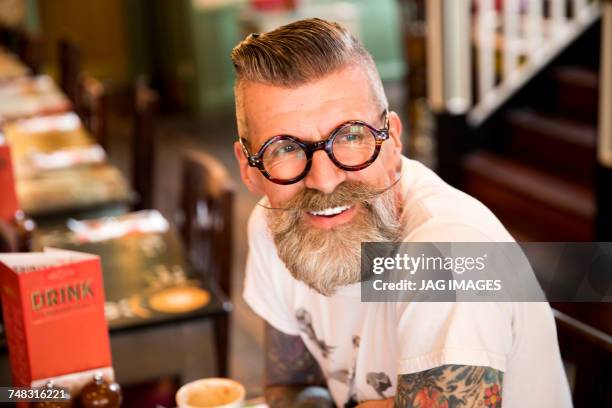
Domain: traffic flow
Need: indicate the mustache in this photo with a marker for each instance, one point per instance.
(346, 193)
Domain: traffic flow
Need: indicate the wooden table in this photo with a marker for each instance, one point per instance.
(59, 169)
(29, 96)
(10, 66)
(143, 273)
(81, 192)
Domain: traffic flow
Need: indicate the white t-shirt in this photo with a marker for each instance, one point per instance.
(362, 347)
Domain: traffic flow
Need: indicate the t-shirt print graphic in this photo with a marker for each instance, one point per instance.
(380, 382)
(347, 376)
(353, 401)
(305, 325)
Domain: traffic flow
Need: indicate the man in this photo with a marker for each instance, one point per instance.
(317, 141)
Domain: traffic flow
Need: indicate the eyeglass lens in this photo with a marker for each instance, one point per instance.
(353, 145)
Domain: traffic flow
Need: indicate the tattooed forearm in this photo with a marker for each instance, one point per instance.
(450, 386)
(289, 367)
(288, 361)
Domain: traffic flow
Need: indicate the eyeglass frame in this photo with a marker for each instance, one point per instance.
(256, 160)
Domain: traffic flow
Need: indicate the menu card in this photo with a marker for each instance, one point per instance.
(53, 306)
(8, 196)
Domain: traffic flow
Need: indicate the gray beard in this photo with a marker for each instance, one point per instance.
(327, 259)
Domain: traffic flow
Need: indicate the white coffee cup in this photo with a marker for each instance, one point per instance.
(211, 393)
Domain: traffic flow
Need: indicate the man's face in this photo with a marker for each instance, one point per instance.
(311, 112)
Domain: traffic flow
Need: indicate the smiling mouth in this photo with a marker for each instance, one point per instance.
(331, 211)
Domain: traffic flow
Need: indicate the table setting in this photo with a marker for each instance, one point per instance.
(30, 96)
(147, 278)
(59, 167)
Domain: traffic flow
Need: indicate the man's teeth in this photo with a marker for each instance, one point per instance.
(331, 211)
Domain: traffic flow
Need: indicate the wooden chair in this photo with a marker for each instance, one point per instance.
(70, 66)
(91, 106)
(205, 223)
(25, 44)
(588, 350)
(146, 102)
(30, 50)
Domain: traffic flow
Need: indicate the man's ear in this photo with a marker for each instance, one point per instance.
(395, 132)
(395, 137)
(251, 180)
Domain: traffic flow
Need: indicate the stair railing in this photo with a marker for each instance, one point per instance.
(519, 35)
(475, 48)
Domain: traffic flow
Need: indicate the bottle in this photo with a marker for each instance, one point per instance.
(8, 241)
(100, 394)
(23, 228)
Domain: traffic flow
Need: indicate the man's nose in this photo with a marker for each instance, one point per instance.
(324, 175)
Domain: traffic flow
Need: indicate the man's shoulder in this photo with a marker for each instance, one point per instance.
(436, 211)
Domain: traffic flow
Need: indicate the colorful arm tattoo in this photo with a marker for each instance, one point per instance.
(450, 386)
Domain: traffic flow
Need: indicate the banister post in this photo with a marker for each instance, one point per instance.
(604, 145)
(449, 72)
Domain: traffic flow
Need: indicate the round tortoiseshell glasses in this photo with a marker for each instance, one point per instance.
(352, 146)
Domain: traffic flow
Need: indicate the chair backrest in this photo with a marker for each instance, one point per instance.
(206, 216)
(70, 66)
(146, 102)
(26, 44)
(91, 106)
(588, 350)
(30, 50)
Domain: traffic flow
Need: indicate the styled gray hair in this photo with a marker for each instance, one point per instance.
(299, 53)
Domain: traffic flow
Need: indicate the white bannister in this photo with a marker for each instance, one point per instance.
(512, 10)
(457, 53)
(520, 33)
(558, 17)
(448, 45)
(485, 32)
(535, 42)
(535, 22)
(579, 9)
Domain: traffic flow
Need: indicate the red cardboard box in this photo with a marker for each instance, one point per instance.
(53, 305)
(8, 195)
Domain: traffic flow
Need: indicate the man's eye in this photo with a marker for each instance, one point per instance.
(285, 150)
(288, 149)
(352, 138)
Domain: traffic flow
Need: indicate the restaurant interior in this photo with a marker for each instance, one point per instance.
(117, 128)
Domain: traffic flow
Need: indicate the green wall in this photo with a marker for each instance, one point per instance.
(194, 43)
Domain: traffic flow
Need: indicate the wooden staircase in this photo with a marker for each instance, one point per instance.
(527, 150)
(539, 179)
